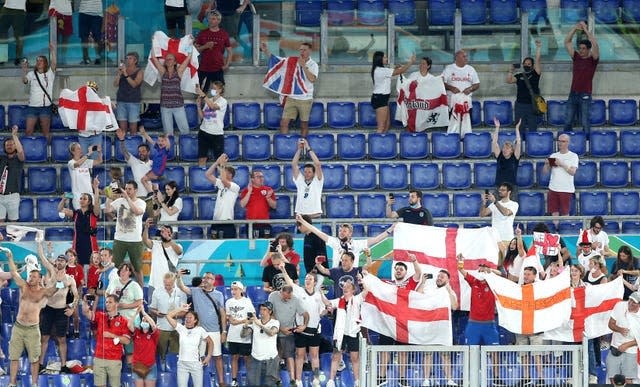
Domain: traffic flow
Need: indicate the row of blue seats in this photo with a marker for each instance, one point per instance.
(344, 115)
(473, 12)
(353, 146)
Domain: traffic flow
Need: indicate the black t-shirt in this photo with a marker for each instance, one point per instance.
(313, 246)
(227, 7)
(14, 173)
(523, 95)
(415, 215)
(275, 278)
(507, 169)
(339, 277)
(631, 265)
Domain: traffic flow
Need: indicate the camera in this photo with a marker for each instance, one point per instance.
(273, 246)
(516, 65)
(249, 314)
(94, 148)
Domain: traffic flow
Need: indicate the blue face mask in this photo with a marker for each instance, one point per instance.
(414, 205)
(144, 326)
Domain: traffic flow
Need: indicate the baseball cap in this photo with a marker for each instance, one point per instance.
(619, 380)
(635, 297)
(238, 285)
(268, 305)
(63, 256)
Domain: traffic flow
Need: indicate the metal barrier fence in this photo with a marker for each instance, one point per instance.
(472, 366)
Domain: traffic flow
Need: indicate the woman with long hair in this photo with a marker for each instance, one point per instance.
(168, 204)
(145, 340)
(381, 77)
(85, 223)
(171, 100)
(40, 82)
(513, 256)
(628, 267)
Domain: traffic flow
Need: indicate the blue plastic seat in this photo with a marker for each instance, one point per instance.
(594, 203)
(150, 119)
(289, 185)
(604, 143)
(630, 143)
(383, 146)
(334, 177)
(531, 204)
(271, 174)
(246, 115)
(542, 178)
(308, 13)
(58, 233)
(256, 147)
(272, 115)
(242, 176)
(441, 12)
(198, 182)
(485, 175)
(445, 145)
(188, 147)
(131, 143)
(76, 349)
(424, 176)
(631, 227)
(362, 177)
(190, 232)
(466, 205)
(414, 146)
(323, 144)
(25, 213)
(539, 144)
(47, 209)
(3, 122)
(351, 146)
(573, 11)
(473, 11)
(477, 145)
(456, 176)
(501, 109)
(371, 12)
(614, 174)
(340, 206)
(476, 114)
(60, 148)
(341, 115)
(166, 379)
(285, 146)
(66, 380)
(393, 107)
(578, 143)
(503, 11)
(206, 205)
(437, 204)
(188, 211)
(630, 12)
(611, 227)
(42, 180)
(623, 112)
(35, 148)
(569, 228)
(192, 115)
(404, 11)
(175, 173)
(17, 115)
(371, 205)
(393, 177)
(232, 146)
(366, 115)
(556, 112)
(598, 111)
(535, 8)
(606, 11)
(586, 175)
(316, 118)
(625, 203)
(525, 176)
(340, 12)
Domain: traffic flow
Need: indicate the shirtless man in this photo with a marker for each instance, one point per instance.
(26, 334)
(56, 313)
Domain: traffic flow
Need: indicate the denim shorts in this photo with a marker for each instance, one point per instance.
(39, 112)
(152, 375)
(128, 111)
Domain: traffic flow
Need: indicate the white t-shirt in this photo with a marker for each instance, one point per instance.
(504, 224)
(561, 180)
(159, 265)
(62, 6)
(132, 293)
(190, 341)
(80, 180)
(165, 303)
(382, 80)
(37, 97)
(459, 77)
(264, 347)
(352, 321)
(309, 199)
(312, 304)
(213, 120)
(225, 201)
(91, 7)
(312, 67)
(164, 215)
(237, 309)
(138, 169)
(619, 313)
(584, 259)
(356, 247)
(601, 237)
(128, 224)
(16, 4)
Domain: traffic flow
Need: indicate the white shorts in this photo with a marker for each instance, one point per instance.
(217, 344)
(10, 206)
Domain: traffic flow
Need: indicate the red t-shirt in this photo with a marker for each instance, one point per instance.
(93, 277)
(144, 346)
(105, 348)
(257, 206)
(77, 272)
(212, 59)
(583, 72)
(409, 284)
(292, 257)
(483, 302)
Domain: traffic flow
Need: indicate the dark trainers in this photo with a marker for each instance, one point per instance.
(42, 369)
(403, 383)
(97, 62)
(85, 61)
(65, 370)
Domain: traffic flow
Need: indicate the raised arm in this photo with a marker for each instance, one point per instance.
(517, 149)
(295, 168)
(123, 146)
(146, 136)
(45, 262)
(519, 242)
(484, 207)
(183, 66)
(17, 143)
(171, 316)
(595, 47)
(315, 160)
(538, 65)
(312, 228)
(159, 66)
(416, 267)
(265, 48)
(568, 41)
(402, 69)
(62, 207)
(380, 237)
(13, 269)
(495, 147)
(96, 196)
(186, 290)
(54, 57)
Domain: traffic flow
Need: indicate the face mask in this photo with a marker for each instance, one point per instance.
(144, 325)
(104, 263)
(481, 276)
(527, 69)
(593, 270)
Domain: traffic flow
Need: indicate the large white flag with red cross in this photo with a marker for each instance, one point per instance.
(437, 248)
(532, 308)
(405, 315)
(422, 103)
(180, 48)
(591, 308)
(83, 109)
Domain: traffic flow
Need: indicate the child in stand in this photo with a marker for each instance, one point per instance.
(76, 271)
(159, 157)
(93, 275)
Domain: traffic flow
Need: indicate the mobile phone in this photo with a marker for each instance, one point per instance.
(486, 192)
(94, 148)
(428, 276)
(249, 314)
(391, 196)
(516, 65)
(321, 258)
(552, 161)
(273, 245)
(186, 271)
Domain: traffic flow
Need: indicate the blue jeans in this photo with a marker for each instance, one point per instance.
(592, 357)
(168, 114)
(581, 101)
(524, 112)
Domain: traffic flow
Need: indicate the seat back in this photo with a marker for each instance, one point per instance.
(341, 115)
(188, 147)
(623, 112)
(198, 182)
(603, 143)
(456, 176)
(500, 109)
(414, 146)
(362, 177)
(371, 205)
(424, 176)
(466, 204)
(445, 145)
(256, 147)
(383, 146)
(614, 174)
(246, 115)
(340, 206)
(393, 177)
(351, 146)
(594, 203)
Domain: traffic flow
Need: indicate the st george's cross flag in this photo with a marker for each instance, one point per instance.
(84, 110)
(437, 248)
(591, 308)
(532, 308)
(285, 77)
(460, 119)
(405, 315)
(180, 48)
(546, 243)
(422, 103)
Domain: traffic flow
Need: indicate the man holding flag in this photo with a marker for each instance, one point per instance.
(293, 78)
(623, 353)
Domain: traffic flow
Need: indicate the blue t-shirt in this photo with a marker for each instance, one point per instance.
(206, 312)
(104, 281)
(159, 157)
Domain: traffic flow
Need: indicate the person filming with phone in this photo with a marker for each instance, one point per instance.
(563, 166)
(414, 213)
(502, 211)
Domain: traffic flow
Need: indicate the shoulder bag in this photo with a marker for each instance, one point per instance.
(538, 102)
(54, 107)
(172, 267)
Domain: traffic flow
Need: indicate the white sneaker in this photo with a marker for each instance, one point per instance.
(593, 379)
(299, 383)
(330, 383)
(234, 383)
(341, 366)
(316, 382)
(451, 383)
(426, 383)
(2, 371)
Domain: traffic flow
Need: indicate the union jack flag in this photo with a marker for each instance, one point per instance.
(285, 77)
